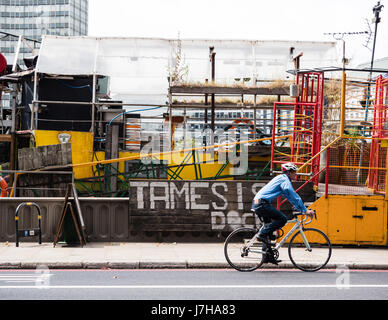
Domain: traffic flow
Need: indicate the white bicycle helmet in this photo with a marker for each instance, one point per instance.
(289, 167)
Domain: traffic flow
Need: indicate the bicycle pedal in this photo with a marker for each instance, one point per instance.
(276, 262)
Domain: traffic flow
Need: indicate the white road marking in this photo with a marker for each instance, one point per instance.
(25, 277)
(286, 286)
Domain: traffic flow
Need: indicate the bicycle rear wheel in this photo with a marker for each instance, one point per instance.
(315, 258)
(241, 253)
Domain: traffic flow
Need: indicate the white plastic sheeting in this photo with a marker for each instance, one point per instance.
(139, 67)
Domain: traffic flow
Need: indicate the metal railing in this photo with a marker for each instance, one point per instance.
(28, 183)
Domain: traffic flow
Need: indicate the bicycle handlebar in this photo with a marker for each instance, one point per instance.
(305, 219)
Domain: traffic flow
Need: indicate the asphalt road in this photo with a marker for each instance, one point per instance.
(183, 284)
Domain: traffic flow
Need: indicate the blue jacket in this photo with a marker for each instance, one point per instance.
(281, 185)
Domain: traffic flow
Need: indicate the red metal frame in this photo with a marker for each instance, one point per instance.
(307, 123)
(376, 180)
(279, 203)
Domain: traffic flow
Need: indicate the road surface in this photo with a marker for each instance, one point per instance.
(191, 284)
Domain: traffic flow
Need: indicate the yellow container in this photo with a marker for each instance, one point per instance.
(351, 219)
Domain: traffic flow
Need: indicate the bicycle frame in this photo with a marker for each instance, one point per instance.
(298, 225)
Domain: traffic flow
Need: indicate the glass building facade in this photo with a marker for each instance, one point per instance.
(35, 18)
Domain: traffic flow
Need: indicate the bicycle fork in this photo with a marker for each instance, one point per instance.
(308, 248)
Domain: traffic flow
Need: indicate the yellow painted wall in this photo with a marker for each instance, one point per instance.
(82, 152)
(207, 169)
(81, 147)
(100, 155)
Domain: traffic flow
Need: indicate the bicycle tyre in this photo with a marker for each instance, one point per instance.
(235, 254)
(320, 253)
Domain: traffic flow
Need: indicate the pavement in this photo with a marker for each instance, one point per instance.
(136, 255)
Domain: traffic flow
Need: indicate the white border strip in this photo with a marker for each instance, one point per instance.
(199, 286)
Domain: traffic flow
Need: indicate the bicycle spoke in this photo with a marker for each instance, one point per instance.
(315, 258)
(241, 252)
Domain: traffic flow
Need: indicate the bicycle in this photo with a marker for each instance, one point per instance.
(309, 248)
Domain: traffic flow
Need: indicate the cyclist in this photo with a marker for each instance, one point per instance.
(273, 218)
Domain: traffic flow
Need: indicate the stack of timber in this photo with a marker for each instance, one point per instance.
(44, 159)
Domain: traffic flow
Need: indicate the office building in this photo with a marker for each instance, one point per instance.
(35, 18)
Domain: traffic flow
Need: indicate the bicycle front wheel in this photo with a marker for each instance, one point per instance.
(313, 258)
(242, 250)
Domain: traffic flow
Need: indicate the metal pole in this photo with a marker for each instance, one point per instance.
(34, 103)
(212, 60)
(184, 127)
(94, 84)
(13, 106)
(376, 10)
(386, 179)
(343, 93)
(93, 101)
(343, 54)
(115, 104)
(254, 63)
(273, 137)
(254, 117)
(17, 36)
(206, 103)
(170, 114)
(327, 172)
(15, 61)
(13, 130)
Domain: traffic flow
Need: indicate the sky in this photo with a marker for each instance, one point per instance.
(306, 20)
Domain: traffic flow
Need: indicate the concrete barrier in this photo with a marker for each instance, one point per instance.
(159, 210)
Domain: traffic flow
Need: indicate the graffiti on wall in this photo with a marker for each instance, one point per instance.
(226, 204)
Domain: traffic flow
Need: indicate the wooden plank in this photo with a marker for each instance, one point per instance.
(44, 156)
(5, 138)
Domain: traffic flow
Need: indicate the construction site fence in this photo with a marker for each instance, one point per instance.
(347, 167)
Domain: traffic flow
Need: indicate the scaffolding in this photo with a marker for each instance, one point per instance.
(378, 155)
(302, 120)
(279, 129)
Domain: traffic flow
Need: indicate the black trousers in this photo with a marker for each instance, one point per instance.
(273, 218)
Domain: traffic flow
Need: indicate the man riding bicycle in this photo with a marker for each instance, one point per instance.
(273, 218)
